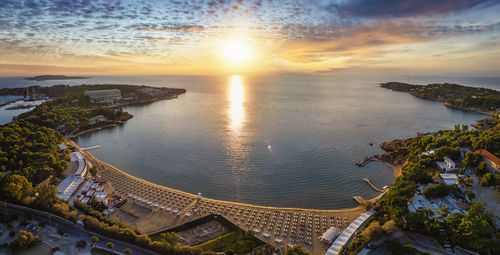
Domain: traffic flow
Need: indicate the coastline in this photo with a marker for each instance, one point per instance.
(96, 161)
(151, 208)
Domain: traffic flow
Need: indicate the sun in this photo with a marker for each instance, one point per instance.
(236, 51)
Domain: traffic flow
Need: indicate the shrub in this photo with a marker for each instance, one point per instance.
(437, 190)
(389, 227)
(373, 231)
(24, 240)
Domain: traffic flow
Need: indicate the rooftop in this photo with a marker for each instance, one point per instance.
(489, 156)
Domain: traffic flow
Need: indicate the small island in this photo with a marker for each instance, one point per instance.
(54, 77)
(480, 100)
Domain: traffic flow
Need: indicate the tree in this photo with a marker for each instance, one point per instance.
(470, 194)
(444, 210)
(110, 245)
(93, 171)
(482, 168)
(46, 197)
(472, 159)
(472, 230)
(24, 240)
(296, 250)
(18, 188)
(373, 231)
(389, 227)
(437, 190)
(127, 251)
(487, 180)
(94, 239)
(170, 237)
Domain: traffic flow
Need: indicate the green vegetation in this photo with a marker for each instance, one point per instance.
(31, 150)
(453, 95)
(372, 231)
(54, 77)
(237, 240)
(77, 91)
(438, 190)
(96, 222)
(24, 240)
(296, 250)
(93, 171)
(396, 247)
(474, 229)
(94, 239)
(460, 229)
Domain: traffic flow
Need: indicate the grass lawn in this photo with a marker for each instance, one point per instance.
(236, 240)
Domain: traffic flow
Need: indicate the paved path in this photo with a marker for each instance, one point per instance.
(75, 230)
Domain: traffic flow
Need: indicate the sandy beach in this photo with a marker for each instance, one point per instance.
(151, 208)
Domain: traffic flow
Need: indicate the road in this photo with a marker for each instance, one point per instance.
(76, 230)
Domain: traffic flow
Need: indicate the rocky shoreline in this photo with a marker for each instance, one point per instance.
(468, 99)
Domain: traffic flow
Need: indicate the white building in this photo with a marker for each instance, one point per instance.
(491, 160)
(82, 164)
(330, 235)
(97, 119)
(449, 178)
(446, 165)
(348, 233)
(103, 95)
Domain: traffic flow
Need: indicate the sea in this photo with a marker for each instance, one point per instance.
(288, 140)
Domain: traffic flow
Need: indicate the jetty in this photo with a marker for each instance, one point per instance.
(90, 148)
(358, 199)
(366, 160)
(367, 180)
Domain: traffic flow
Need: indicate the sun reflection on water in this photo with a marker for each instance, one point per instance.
(236, 97)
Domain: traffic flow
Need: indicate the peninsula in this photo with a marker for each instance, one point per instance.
(481, 100)
(54, 77)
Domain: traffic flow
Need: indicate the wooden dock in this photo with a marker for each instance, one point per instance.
(358, 199)
(367, 180)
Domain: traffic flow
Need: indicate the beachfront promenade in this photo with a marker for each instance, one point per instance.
(151, 208)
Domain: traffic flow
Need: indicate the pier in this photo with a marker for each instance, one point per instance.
(366, 160)
(358, 199)
(90, 148)
(367, 180)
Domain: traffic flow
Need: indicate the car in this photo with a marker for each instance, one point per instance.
(371, 246)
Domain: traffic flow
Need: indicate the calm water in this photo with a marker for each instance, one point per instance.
(287, 141)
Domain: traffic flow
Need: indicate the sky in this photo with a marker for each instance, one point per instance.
(191, 37)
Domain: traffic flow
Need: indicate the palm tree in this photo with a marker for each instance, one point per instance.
(127, 251)
(110, 245)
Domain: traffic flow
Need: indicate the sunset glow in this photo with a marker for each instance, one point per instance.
(236, 52)
(218, 37)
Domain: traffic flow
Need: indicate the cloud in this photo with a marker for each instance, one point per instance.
(167, 27)
(406, 8)
(300, 31)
